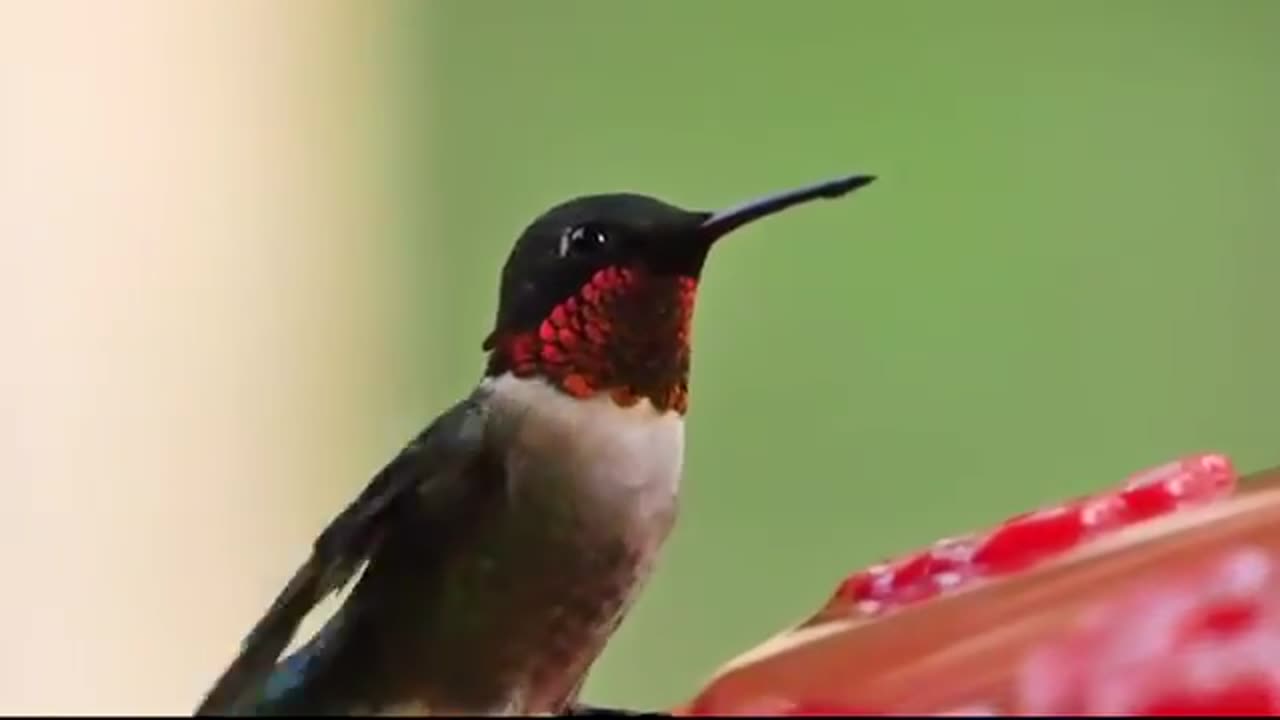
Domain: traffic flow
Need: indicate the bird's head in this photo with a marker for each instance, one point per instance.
(597, 295)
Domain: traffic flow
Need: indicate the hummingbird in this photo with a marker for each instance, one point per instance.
(494, 556)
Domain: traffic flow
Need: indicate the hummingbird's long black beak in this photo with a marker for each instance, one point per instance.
(725, 221)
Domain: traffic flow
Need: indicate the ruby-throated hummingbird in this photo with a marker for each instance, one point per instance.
(505, 543)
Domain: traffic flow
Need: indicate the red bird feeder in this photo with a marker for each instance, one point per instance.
(1160, 597)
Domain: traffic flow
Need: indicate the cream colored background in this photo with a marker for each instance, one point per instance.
(181, 185)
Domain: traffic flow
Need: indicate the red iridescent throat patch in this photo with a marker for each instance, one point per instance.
(626, 332)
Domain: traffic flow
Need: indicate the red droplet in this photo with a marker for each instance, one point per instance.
(1200, 477)
(914, 577)
(1208, 476)
(1030, 538)
(1102, 513)
(856, 587)
(911, 570)
(1148, 501)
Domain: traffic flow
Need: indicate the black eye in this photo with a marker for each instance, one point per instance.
(581, 240)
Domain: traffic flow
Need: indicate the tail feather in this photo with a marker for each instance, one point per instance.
(246, 677)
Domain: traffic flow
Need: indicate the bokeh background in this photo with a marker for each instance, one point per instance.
(250, 248)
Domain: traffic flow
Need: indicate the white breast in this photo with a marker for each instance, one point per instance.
(629, 456)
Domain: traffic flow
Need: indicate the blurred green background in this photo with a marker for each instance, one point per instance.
(258, 244)
(1065, 274)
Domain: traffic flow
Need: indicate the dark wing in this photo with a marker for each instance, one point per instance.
(435, 457)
